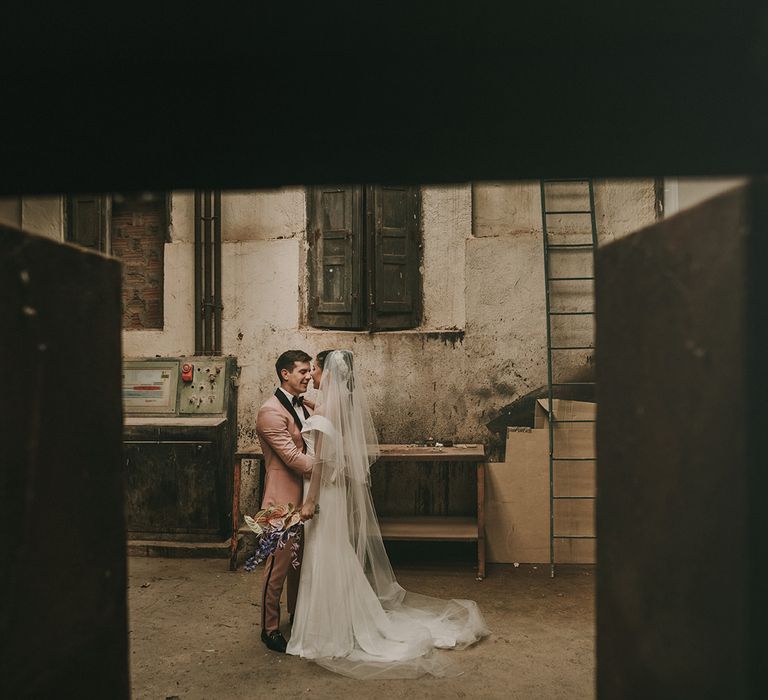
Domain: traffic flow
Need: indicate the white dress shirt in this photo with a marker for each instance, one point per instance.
(298, 409)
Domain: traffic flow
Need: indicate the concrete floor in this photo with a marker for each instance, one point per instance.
(194, 633)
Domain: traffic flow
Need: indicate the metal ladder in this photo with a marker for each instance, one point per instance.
(548, 189)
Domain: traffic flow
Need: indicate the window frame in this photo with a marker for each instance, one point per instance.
(105, 223)
(365, 241)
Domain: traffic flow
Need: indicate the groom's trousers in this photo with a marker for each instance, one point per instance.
(276, 569)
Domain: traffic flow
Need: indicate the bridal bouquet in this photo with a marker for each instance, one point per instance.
(276, 527)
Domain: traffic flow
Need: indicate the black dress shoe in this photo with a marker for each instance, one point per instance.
(274, 640)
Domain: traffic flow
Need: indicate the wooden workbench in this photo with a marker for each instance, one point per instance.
(445, 528)
(413, 528)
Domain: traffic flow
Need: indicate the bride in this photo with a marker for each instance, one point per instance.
(352, 616)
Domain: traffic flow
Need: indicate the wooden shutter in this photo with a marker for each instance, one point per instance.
(335, 252)
(86, 221)
(396, 255)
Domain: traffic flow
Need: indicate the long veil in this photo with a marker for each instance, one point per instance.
(353, 616)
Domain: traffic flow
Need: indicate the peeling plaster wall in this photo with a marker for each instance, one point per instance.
(434, 381)
(263, 215)
(623, 206)
(482, 342)
(264, 300)
(483, 335)
(505, 275)
(35, 214)
(446, 226)
(685, 192)
(43, 215)
(513, 208)
(410, 397)
(10, 211)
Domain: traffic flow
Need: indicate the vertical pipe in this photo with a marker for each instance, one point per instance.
(207, 274)
(549, 385)
(217, 305)
(198, 305)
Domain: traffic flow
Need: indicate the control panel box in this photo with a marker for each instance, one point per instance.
(178, 387)
(201, 386)
(150, 387)
(179, 441)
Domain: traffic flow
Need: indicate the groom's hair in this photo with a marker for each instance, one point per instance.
(288, 359)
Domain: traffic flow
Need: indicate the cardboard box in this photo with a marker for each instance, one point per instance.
(563, 410)
(517, 493)
(517, 500)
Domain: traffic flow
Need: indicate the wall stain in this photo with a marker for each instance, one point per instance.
(451, 337)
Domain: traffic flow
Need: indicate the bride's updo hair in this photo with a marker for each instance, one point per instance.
(320, 359)
(343, 364)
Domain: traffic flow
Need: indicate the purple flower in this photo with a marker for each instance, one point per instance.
(272, 539)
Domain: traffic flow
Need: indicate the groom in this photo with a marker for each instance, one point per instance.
(279, 426)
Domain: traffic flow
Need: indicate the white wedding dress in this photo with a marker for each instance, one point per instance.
(352, 616)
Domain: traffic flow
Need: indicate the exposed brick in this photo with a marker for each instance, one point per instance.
(138, 238)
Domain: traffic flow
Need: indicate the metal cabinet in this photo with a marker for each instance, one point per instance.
(171, 488)
(178, 447)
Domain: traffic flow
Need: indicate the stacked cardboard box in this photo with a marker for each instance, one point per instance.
(517, 494)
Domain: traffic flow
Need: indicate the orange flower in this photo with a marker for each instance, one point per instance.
(278, 517)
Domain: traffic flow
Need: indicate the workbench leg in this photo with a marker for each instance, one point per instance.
(235, 514)
(481, 521)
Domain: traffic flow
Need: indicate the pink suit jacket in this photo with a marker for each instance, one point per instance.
(284, 461)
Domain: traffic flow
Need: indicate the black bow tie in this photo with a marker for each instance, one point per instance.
(298, 401)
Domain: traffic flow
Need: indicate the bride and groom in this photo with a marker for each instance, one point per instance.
(347, 611)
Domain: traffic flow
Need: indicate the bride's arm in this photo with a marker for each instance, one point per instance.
(308, 507)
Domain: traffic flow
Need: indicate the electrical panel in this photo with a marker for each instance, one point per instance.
(204, 392)
(177, 387)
